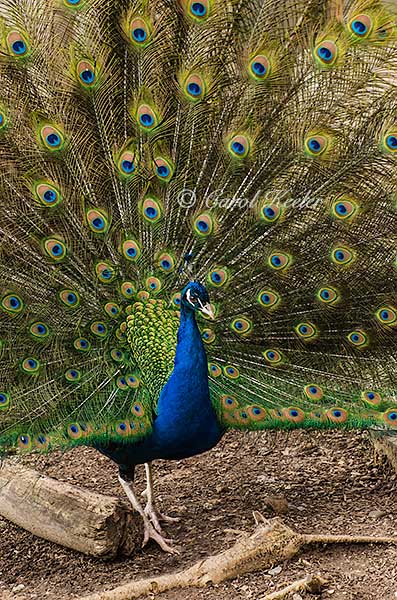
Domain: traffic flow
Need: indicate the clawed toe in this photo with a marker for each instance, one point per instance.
(164, 543)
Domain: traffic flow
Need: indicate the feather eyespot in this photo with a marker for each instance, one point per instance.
(316, 145)
(294, 414)
(140, 32)
(326, 53)
(105, 272)
(358, 338)
(24, 442)
(229, 402)
(163, 169)
(82, 345)
(30, 365)
(133, 382)
(231, 372)
(239, 146)
(147, 118)
(208, 336)
(51, 137)
(306, 331)
(86, 73)
(273, 357)
(166, 262)
(3, 119)
(337, 415)
(47, 194)
(74, 3)
(99, 329)
(218, 277)
(97, 221)
(387, 315)
(256, 413)
(361, 26)
(74, 431)
(39, 330)
(194, 88)
(318, 416)
(121, 383)
(117, 355)
(390, 417)
(4, 401)
(279, 261)
(41, 442)
(390, 142)
(112, 310)
(203, 225)
(137, 409)
(328, 295)
(176, 300)
(123, 428)
(270, 212)
(268, 298)
(12, 304)
(371, 397)
(199, 10)
(151, 210)
(342, 255)
(127, 163)
(55, 249)
(344, 209)
(131, 250)
(241, 325)
(73, 375)
(143, 295)
(70, 298)
(214, 370)
(153, 284)
(259, 67)
(17, 44)
(313, 392)
(127, 289)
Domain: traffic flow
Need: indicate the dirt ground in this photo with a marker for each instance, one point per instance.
(332, 482)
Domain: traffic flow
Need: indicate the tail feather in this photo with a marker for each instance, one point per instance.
(251, 145)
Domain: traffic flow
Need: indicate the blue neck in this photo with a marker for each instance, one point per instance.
(185, 397)
(190, 351)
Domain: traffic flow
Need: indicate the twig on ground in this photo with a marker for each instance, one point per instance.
(310, 583)
(271, 542)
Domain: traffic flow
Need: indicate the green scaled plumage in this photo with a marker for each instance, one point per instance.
(258, 138)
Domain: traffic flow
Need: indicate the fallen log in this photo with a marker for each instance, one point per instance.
(66, 514)
(386, 445)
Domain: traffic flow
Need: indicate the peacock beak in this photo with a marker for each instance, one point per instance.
(208, 310)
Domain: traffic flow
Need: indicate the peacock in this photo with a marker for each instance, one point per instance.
(198, 224)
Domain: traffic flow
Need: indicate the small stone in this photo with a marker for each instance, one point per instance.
(278, 503)
(297, 597)
(18, 588)
(377, 514)
(275, 570)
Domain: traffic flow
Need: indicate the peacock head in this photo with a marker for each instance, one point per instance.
(195, 297)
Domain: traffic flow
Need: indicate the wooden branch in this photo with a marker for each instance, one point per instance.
(311, 584)
(66, 514)
(272, 542)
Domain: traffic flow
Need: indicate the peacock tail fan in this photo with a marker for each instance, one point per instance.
(253, 144)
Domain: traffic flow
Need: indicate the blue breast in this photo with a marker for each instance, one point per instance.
(186, 422)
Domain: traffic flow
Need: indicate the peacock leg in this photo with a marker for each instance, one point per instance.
(149, 529)
(150, 510)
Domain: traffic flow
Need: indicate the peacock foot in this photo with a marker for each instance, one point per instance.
(157, 517)
(151, 533)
